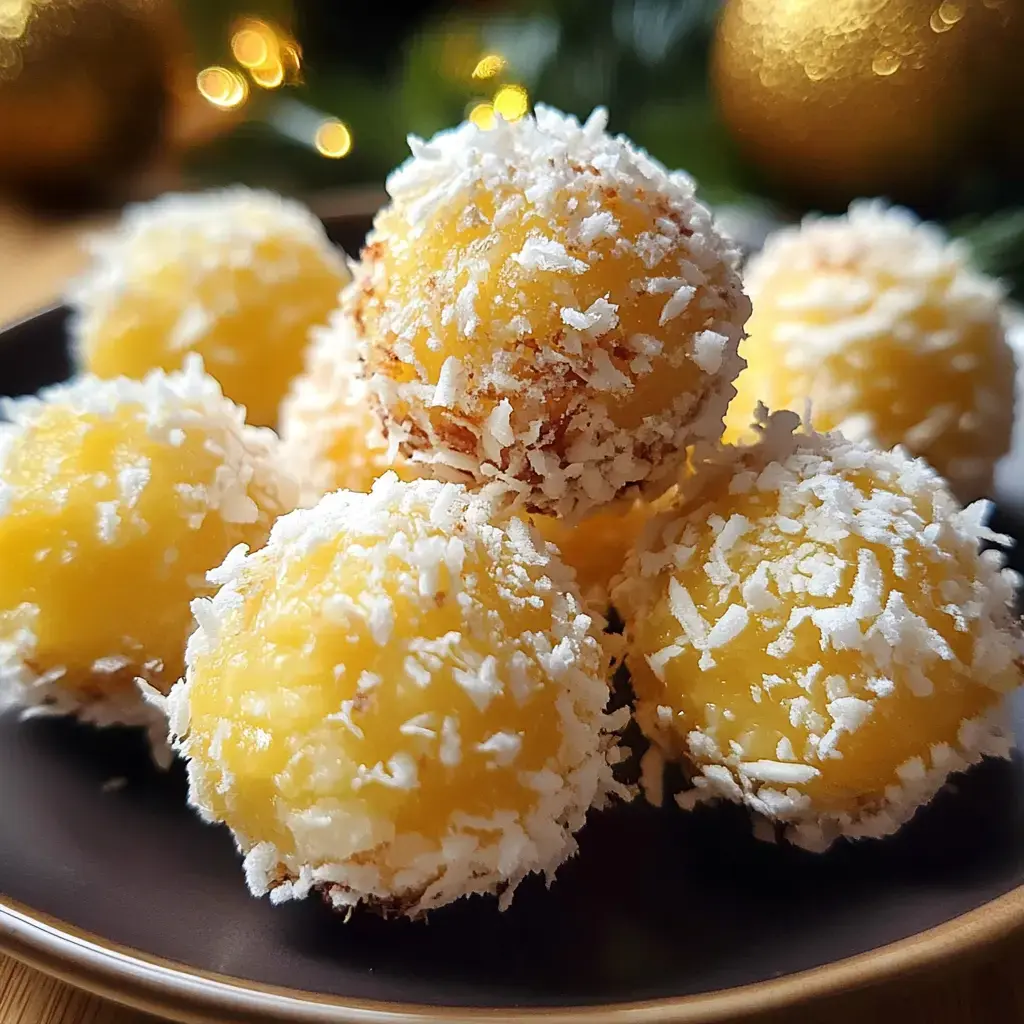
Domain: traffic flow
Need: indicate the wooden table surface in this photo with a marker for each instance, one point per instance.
(986, 988)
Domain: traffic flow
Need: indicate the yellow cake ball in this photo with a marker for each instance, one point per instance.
(331, 435)
(879, 322)
(236, 275)
(397, 702)
(545, 308)
(817, 636)
(116, 497)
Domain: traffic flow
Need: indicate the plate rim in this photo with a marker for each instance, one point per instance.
(161, 986)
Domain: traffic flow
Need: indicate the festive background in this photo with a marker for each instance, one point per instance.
(790, 105)
(777, 107)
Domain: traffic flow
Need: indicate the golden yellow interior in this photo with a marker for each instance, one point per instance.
(720, 701)
(250, 323)
(129, 595)
(269, 692)
(894, 384)
(454, 240)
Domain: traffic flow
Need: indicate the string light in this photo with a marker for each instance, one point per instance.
(489, 65)
(511, 102)
(262, 48)
(333, 139)
(251, 45)
(269, 75)
(222, 87)
(291, 58)
(482, 115)
(14, 15)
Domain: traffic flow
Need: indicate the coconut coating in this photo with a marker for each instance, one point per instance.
(817, 635)
(397, 702)
(332, 438)
(116, 497)
(235, 275)
(545, 308)
(882, 325)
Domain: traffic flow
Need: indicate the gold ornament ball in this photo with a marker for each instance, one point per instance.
(839, 98)
(83, 91)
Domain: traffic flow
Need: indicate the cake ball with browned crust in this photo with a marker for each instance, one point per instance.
(546, 308)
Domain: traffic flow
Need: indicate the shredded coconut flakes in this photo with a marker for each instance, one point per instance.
(788, 581)
(395, 527)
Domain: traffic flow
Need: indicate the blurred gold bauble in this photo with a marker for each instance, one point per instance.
(840, 98)
(83, 91)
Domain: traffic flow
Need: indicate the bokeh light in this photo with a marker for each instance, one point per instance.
(489, 66)
(482, 115)
(250, 46)
(333, 139)
(269, 75)
(291, 59)
(222, 87)
(511, 102)
(267, 52)
(14, 15)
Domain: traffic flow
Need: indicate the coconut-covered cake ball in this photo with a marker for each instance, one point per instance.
(545, 307)
(332, 438)
(880, 323)
(116, 497)
(817, 635)
(397, 702)
(236, 275)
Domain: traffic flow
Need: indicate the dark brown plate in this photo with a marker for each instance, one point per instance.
(663, 916)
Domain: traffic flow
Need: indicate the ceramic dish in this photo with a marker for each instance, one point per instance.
(664, 916)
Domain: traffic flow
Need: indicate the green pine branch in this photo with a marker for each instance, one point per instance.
(997, 243)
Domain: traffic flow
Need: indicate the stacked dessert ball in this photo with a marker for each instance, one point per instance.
(542, 312)
(544, 308)
(396, 694)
